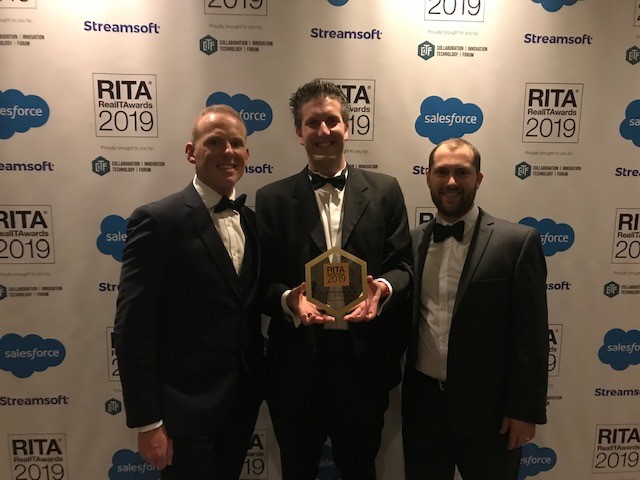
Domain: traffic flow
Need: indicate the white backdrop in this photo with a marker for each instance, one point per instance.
(97, 101)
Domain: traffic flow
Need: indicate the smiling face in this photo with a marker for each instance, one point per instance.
(453, 181)
(322, 133)
(218, 150)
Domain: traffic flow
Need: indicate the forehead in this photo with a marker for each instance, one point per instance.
(448, 156)
(321, 106)
(220, 122)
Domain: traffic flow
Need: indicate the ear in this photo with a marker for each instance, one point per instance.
(189, 152)
(479, 181)
(428, 175)
(299, 134)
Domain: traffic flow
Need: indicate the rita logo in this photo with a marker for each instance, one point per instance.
(257, 114)
(22, 356)
(535, 460)
(554, 5)
(555, 237)
(620, 349)
(128, 465)
(630, 126)
(113, 234)
(442, 119)
(19, 112)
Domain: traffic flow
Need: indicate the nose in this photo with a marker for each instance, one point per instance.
(324, 130)
(228, 148)
(451, 180)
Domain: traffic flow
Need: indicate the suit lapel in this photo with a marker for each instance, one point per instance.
(484, 229)
(308, 210)
(355, 203)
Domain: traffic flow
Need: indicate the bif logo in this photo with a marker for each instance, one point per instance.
(535, 460)
(100, 166)
(128, 465)
(555, 237)
(611, 289)
(22, 356)
(426, 50)
(113, 234)
(554, 5)
(257, 114)
(630, 126)
(620, 349)
(442, 119)
(523, 170)
(208, 45)
(19, 113)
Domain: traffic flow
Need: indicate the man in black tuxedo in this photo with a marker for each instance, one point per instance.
(331, 376)
(475, 383)
(187, 326)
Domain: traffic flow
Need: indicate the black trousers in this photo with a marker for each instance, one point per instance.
(432, 449)
(330, 399)
(219, 455)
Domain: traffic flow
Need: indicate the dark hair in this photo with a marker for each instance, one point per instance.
(314, 89)
(217, 108)
(454, 144)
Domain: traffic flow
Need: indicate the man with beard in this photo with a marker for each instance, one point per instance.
(475, 383)
(330, 376)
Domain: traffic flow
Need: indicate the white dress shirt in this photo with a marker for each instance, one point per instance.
(439, 287)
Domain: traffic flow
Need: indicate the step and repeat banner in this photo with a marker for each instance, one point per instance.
(97, 101)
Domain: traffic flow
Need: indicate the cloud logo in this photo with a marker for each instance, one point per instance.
(338, 3)
(443, 119)
(630, 126)
(19, 113)
(257, 114)
(554, 237)
(128, 465)
(554, 5)
(22, 356)
(535, 460)
(620, 349)
(113, 234)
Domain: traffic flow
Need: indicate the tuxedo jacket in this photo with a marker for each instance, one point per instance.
(187, 327)
(374, 228)
(497, 362)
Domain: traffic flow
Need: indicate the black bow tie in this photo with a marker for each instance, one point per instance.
(338, 182)
(226, 203)
(442, 232)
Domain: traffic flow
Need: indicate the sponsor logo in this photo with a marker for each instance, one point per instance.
(34, 401)
(633, 55)
(26, 167)
(441, 119)
(626, 236)
(38, 456)
(620, 349)
(584, 39)
(554, 5)
(535, 460)
(28, 291)
(618, 392)
(338, 3)
(19, 112)
(373, 34)
(630, 128)
(208, 45)
(611, 289)
(555, 237)
(424, 215)
(426, 50)
(564, 285)
(3, 292)
(555, 346)
(552, 113)
(112, 359)
(616, 448)
(126, 465)
(91, 26)
(125, 105)
(22, 356)
(361, 97)
(113, 234)
(255, 462)
(100, 166)
(26, 234)
(257, 114)
(113, 406)
(523, 170)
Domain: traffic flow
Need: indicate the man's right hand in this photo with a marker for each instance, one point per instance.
(156, 447)
(306, 311)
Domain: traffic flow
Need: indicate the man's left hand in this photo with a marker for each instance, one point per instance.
(367, 310)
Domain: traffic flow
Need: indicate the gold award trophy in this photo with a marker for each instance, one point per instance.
(336, 278)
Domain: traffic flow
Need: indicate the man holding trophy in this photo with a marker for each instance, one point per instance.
(336, 250)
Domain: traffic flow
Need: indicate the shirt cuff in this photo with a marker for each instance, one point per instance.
(288, 314)
(151, 426)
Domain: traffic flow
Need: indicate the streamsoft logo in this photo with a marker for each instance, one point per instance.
(535, 460)
(22, 356)
(554, 5)
(442, 119)
(620, 349)
(630, 126)
(129, 465)
(19, 112)
(257, 114)
(555, 237)
(113, 234)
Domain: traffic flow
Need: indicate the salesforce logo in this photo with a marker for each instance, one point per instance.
(443, 119)
(630, 126)
(22, 356)
(326, 467)
(128, 465)
(338, 3)
(535, 460)
(257, 114)
(555, 237)
(113, 234)
(620, 349)
(554, 5)
(19, 113)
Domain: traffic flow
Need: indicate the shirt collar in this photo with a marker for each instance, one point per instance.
(470, 218)
(209, 196)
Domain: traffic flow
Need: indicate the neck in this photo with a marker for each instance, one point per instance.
(328, 168)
